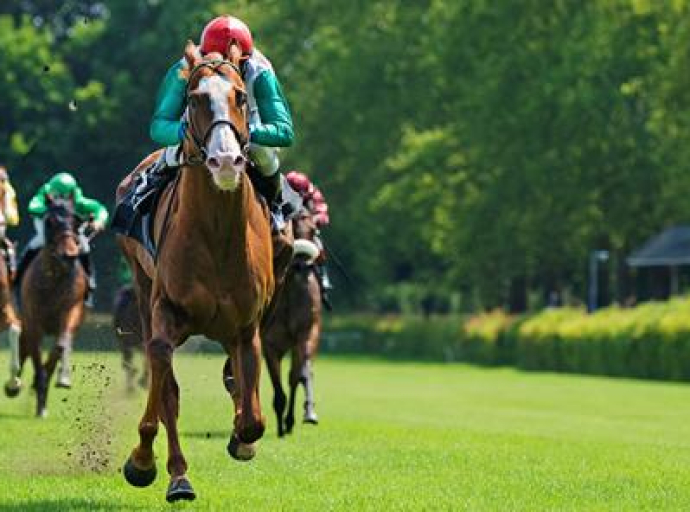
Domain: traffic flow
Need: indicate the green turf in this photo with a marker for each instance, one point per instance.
(392, 437)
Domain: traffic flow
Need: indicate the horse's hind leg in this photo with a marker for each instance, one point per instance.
(279, 399)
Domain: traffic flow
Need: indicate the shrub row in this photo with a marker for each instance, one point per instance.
(649, 341)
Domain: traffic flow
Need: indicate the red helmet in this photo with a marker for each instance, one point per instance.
(223, 29)
(299, 182)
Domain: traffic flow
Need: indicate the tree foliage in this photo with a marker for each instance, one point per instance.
(481, 148)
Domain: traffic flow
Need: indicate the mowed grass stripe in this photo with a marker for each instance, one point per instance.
(393, 436)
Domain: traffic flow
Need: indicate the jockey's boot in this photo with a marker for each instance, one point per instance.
(324, 284)
(87, 263)
(24, 261)
(282, 201)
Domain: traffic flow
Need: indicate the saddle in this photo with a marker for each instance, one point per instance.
(135, 212)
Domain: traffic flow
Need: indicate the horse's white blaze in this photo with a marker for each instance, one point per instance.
(223, 149)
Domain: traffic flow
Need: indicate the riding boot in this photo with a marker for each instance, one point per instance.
(87, 263)
(282, 201)
(272, 195)
(24, 261)
(324, 285)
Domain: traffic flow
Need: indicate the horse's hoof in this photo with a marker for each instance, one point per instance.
(311, 419)
(239, 450)
(138, 477)
(63, 382)
(180, 489)
(42, 412)
(13, 387)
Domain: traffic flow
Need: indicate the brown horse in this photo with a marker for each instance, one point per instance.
(127, 327)
(295, 327)
(9, 320)
(213, 271)
(52, 295)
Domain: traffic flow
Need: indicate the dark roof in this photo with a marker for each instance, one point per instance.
(669, 248)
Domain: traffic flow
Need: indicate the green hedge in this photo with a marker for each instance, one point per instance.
(650, 341)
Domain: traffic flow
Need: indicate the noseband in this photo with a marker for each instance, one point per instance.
(201, 142)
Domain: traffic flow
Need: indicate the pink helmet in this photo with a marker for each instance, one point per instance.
(223, 29)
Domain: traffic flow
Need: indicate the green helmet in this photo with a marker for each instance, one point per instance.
(62, 184)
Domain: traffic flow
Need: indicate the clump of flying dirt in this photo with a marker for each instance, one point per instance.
(91, 420)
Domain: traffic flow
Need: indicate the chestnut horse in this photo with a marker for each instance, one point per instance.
(9, 321)
(53, 291)
(295, 326)
(213, 271)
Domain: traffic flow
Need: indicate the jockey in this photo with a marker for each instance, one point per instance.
(9, 216)
(270, 121)
(315, 202)
(63, 185)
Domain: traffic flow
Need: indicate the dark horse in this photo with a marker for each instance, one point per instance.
(295, 326)
(213, 271)
(52, 296)
(127, 327)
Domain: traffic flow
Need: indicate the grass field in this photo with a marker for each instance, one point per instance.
(392, 437)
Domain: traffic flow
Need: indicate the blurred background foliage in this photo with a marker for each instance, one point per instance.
(473, 153)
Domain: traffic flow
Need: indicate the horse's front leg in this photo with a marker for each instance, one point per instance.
(308, 382)
(63, 348)
(272, 358)
(249, 422)
(164, 395)
(296, 363)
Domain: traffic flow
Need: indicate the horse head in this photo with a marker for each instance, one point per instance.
(61, 228)
(216, 115)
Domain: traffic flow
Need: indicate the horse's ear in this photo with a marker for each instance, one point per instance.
(234, 52)
(191, 53)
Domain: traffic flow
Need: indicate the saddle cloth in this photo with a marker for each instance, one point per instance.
(135, 213)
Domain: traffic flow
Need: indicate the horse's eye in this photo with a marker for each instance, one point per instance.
(240, 98)
(193, 101)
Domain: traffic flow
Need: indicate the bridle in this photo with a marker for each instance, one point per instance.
(201, 142)
(64, 229)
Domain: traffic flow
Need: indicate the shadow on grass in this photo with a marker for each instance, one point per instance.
(64, 504)
(208, 434)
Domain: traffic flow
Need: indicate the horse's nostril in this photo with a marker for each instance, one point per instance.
(213, 162)
(239, 160)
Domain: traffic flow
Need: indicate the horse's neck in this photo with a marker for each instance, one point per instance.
(51, 266)
(203, 208)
